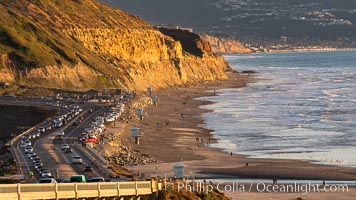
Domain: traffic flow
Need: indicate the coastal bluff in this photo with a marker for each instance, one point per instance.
(83, 44)
(223, 45)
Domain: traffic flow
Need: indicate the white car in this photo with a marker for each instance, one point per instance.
(28, 149)
(35, 134)
(30, 154)
(26, 137)
(41, 129)
(58, 124)
(77, 160)
(64, 146)
(46, 173)
(25, 143)
(38, 164)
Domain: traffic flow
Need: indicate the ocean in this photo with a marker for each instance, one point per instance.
(302, 107)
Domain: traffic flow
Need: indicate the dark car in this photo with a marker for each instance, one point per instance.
(77, 122)
(97, 179)
(59, 137)
(68, 150)
(87, 169)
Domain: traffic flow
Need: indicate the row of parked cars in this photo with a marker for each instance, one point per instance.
(91, 132)
(114, 112)
(97, 127)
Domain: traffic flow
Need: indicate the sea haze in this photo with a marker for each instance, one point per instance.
(303, 107)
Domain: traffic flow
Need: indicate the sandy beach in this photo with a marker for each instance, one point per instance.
(171, 133)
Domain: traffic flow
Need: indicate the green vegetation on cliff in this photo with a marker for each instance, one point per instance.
(82, 44)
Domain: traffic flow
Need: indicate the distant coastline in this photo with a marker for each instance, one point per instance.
(295, 50)
(311, 50)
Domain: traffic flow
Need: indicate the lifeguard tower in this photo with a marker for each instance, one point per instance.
(135, 133)
(179, 170)
(140, 113)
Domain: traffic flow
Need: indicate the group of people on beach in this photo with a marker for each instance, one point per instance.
(201, 140)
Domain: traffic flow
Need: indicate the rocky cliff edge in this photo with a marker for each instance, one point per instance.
(82, 44)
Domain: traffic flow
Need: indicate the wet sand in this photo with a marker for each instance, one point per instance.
(170, 135)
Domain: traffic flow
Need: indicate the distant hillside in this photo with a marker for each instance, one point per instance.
(82, 44)
(266, 22)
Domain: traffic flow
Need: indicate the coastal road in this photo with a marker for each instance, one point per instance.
(49, 150)
(59, 162)
(18, 153)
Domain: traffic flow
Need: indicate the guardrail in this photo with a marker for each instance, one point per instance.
(77, 190)
(13, 148)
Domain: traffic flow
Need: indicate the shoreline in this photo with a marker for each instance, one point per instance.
(303, 50)
(177, 142)
(311, 50)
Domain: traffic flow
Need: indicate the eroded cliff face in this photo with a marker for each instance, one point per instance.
(96, 48)
(225, 45)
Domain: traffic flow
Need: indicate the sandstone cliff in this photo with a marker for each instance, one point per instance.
(225, 45)
(82, 44)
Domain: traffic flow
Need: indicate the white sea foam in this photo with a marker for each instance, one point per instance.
(301, 108)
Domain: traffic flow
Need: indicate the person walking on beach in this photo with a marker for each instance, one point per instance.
(231, 153)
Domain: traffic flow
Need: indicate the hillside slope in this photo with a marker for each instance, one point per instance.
(82, 44)
(302, 22)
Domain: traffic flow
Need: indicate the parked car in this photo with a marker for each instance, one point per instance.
(81, 138)
(77, 160)
(92, 139)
